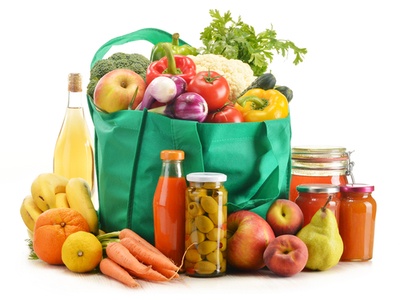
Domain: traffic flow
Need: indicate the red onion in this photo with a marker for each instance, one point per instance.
(187, 106)
(180, 84)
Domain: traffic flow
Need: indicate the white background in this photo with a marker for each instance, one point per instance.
(345, 94)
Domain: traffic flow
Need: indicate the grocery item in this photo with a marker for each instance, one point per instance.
(52, 227)
(122, 256)
(29, 212)
(213, 87)
(357, 221)
(132, 61)
(265, 81)
(324, 243)
(320, 164)
(73, 153)
(79, 198)
(169, 206)
(313, 196)
(158, 52)
(259, 105)
(45, 187)
(206, 224)
(221, 37)
(113, 270)
(81, 252)
(170, 64)
(49, 190)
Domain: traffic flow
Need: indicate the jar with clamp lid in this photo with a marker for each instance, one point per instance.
(326, 165)
(357, 221)
(314, 196)
(206, 224)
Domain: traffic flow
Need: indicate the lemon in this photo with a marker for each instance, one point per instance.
(81, 252)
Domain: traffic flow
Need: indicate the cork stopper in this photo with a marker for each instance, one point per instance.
(74, 82)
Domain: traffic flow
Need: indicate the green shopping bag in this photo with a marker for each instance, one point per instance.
(255, 156)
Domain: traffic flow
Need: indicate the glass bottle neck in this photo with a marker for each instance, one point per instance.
(74, 99)
(171, 168)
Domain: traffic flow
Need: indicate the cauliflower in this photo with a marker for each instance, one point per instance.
(238, 74)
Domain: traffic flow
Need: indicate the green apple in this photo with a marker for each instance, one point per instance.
(285, 217)
(115, 90)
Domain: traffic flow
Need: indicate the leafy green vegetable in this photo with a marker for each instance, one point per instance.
(120, 60)
(238, 40)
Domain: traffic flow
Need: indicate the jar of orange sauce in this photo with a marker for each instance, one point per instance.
(327, 165)
(357, 221)
(312, 197)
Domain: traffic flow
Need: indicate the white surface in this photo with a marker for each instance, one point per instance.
(345, 93)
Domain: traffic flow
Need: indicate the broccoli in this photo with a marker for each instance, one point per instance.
(100, 68)
(135, 62)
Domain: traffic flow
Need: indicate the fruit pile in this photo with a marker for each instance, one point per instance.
(49, 190)
(64, 230)
(281, 243)
(62, 222)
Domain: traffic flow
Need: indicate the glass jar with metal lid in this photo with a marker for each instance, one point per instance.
(312, 197)
(357, 221)
(327, 165)
(206, 224)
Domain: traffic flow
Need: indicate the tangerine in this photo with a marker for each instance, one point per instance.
(81, 252)
(52, 228)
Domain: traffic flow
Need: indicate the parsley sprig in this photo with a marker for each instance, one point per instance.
(238, 40)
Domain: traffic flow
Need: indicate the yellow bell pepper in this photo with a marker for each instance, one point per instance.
(258, 105)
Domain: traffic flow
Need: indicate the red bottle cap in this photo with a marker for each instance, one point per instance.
(357, 188)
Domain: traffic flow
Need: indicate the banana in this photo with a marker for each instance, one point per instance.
(61, 200)
(29, 212)
(45, 187)
(79, 198)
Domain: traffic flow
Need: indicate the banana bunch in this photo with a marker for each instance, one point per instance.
(50, 190)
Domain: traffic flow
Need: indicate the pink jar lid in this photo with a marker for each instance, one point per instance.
(357, 188)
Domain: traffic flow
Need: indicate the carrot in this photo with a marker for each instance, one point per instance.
(126, 232)
(159, 262)
(112, 269)
(121, 255)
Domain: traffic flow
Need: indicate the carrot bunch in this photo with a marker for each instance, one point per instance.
(131, 257)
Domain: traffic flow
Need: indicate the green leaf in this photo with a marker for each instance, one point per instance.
(238, 40)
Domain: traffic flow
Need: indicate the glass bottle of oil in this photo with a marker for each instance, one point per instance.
(73, 154)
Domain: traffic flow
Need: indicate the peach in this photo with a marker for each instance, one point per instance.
(286, 255)
(285, 217)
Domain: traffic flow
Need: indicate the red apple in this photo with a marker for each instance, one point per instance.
(286, 255)
(285, 217)
(248, 236)
(115, 90)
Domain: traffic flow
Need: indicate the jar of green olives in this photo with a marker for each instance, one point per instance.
(206, 222)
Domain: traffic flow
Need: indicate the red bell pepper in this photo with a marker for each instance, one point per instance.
(178, 65)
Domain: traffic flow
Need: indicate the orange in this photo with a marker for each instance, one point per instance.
(81, 252)
(52, 227)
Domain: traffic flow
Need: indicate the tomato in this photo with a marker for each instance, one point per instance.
(213, 87)
(227, 114)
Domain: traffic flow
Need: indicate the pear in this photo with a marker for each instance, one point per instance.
(324, 243)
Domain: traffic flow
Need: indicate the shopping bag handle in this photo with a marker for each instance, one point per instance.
(152, 35)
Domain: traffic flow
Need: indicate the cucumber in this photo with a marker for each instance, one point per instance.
(286, 91)
(265, 81)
